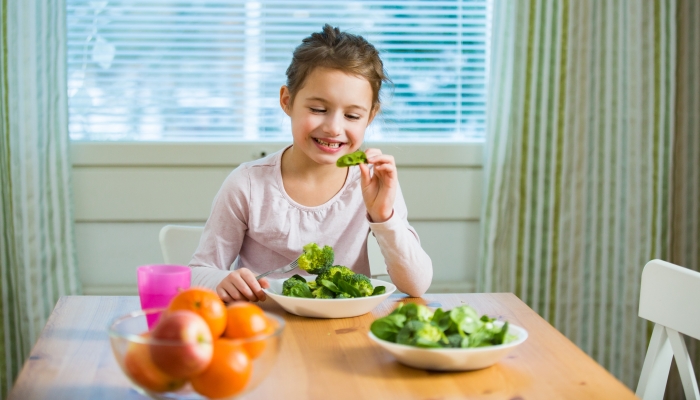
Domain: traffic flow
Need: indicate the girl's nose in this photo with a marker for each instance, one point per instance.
(333, 124)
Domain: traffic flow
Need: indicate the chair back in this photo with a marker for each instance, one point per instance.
(669, 297)
(179, 242)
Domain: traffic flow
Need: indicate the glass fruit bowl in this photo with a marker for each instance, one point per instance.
(233, 367)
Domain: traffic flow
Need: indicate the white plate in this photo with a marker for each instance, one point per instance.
(327, 308)
(453, 359)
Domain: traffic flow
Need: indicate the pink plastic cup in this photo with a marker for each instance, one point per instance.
(158, 284)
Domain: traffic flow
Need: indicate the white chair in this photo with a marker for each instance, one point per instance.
(669, 297)
(179, 242)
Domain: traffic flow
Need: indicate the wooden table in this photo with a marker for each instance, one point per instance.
(73, 359)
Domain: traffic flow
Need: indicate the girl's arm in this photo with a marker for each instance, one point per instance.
(408, 265)
(221, 243)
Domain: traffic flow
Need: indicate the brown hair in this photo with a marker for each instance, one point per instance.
(334, 49)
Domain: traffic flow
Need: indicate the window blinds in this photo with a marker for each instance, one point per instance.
(211, 70)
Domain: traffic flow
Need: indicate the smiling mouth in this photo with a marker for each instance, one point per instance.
(327, 144)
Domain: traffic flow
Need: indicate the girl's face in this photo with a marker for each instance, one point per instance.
(329, 115)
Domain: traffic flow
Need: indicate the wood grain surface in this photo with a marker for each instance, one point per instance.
(325, 358)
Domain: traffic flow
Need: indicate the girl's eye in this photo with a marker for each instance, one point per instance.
(352, 117)
(317, 110)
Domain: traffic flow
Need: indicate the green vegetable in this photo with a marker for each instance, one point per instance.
(420, 334)
(362, 284)
(388, 327)
(378, 290)
(415, 325)
(322, 292)
(331, 286)
(414, 311)
(332, 282)
(296, 286)
(315, 258)
(358, 157)
(329, 272)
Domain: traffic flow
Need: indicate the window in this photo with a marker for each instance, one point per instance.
(162, 70)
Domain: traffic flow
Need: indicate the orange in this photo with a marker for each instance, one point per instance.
(139, 366)
(246, 320)
(227, 374)
(206, 303)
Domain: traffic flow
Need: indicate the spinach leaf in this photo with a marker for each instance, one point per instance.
(348, 288)
(461, 327)
(378, 290)
(331, 286)
(441, 319)
(500, 337)
(358, 157)
(420, 334)
(465, 318)
(386, 328)
(416, 311)
(300, 290)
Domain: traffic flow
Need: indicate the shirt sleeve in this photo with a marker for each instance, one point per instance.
(224, 231)
(408, 265)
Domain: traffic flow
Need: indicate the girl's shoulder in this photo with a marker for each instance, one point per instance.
(269, 160)
(261, 168)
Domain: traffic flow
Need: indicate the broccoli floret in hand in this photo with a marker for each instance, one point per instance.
(315, 258)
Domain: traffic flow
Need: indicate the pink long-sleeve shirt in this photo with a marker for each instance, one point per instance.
(255, 223)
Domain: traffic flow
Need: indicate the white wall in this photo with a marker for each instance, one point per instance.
(125, 192)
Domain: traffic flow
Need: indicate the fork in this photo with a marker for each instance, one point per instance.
(289, 267)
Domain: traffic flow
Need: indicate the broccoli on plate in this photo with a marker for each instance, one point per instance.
(332, 281)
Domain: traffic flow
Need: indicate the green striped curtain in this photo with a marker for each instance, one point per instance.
(578, 177)
(37, 250)
(685, 225)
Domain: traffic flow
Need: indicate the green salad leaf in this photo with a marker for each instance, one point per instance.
(358, 157)
(416, 325)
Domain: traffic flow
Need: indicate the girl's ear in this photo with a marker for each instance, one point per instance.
(285, 98)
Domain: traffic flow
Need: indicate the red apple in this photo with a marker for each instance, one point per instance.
(139, 366)
(182, 344)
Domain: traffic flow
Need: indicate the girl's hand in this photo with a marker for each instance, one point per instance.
(240, 285)
(379, 190)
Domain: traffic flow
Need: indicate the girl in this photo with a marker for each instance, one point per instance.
(268, 209)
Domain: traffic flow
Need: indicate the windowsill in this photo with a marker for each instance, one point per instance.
(96, 154)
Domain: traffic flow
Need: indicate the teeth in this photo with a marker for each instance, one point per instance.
(331, 145)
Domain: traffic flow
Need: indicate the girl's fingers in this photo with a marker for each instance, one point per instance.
(223, 294)
(386, 170)
(364, 175)
(228, 292)
(241, 285)
(381, 159)
(243, 288)
(372, 153)
(253, 285)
